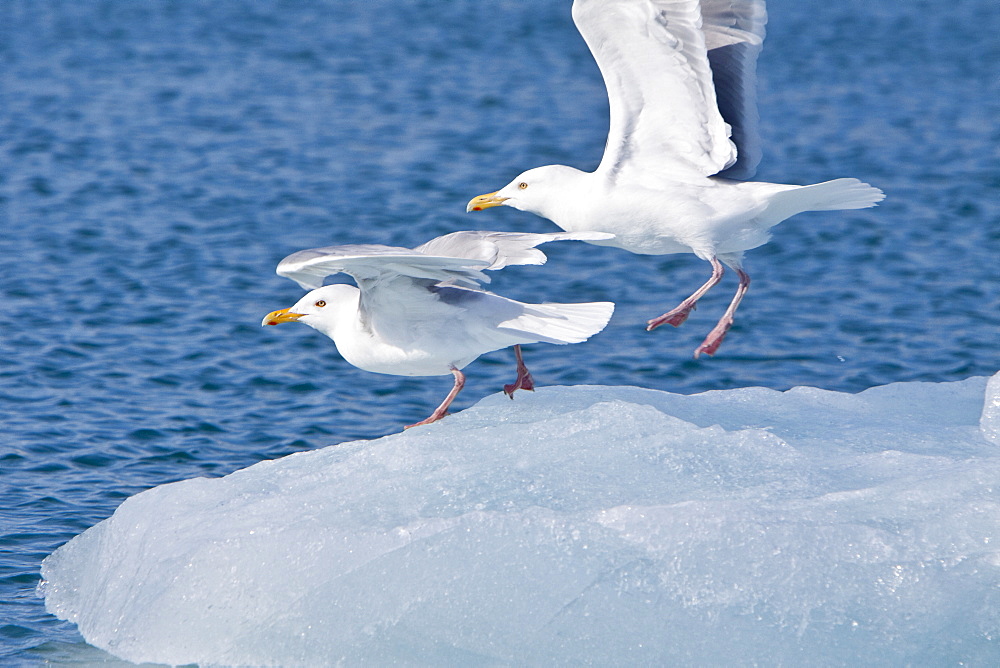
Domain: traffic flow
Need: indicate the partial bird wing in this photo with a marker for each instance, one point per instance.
(502, 249)
(397, 283)
(371, 263)
(653, 55)
(734, 35)
(504, 322)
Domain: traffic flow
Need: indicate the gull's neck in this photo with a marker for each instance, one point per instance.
(571, 197)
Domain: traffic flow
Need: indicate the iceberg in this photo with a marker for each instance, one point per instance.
(577, 526)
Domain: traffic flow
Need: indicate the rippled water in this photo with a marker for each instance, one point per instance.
(157, 159)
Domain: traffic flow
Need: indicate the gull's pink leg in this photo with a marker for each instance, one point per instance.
(442, 410)
(683, 310)
(714, 338)
(524, 381)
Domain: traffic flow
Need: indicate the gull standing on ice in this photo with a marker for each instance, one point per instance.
(421, 312)
(683, 140)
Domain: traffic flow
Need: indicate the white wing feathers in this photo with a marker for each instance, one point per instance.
(665, 114)
(369, 263)
(561, 323)
(502, 249)
(505, 321)
(458, 258)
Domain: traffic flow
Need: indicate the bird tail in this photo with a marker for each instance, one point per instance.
(560, 323)
(827, 196)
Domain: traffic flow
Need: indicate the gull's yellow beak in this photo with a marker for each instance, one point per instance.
(280, 316)
(485, 202)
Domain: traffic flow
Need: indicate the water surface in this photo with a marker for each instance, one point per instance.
(157, 159)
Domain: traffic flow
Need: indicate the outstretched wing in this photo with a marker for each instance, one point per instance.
(734, 35)
(396, 283)
(371, 263)
(653, 55)
(501, 249)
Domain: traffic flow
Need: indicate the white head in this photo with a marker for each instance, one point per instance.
(323, 309)
(544, 191)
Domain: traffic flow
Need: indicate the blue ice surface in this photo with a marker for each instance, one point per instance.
(159, 158)
(585, 525)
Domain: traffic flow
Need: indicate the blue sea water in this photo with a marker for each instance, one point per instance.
(158, 158)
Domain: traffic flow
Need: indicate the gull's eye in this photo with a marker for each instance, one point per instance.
(522, 185)
(321, 303)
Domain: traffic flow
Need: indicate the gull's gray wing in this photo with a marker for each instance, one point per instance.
(397, 284)
(734, 36)
(504, 322)
(370, 263)
(501, 249)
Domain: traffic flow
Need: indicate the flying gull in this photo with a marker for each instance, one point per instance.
(683, 141)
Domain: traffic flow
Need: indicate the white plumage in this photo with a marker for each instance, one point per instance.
(420, 312)
(681, 84)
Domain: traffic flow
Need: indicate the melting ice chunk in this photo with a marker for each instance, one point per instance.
(989, 423)
(584, 525)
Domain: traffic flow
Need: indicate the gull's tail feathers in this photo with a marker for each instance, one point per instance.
(833, 195)
(561, 323)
